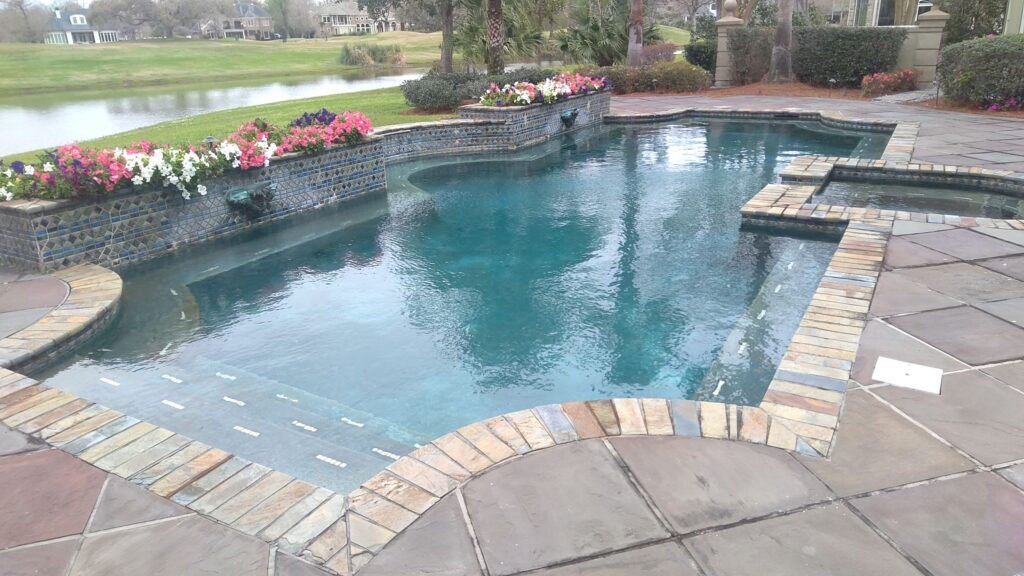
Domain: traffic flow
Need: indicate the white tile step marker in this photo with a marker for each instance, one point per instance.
(908, 375)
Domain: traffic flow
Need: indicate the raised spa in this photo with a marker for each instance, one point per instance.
(607, 263)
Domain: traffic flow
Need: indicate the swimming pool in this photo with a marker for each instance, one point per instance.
(608, 263)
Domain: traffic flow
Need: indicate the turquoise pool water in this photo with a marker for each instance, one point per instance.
(932, 198)
(610, 263)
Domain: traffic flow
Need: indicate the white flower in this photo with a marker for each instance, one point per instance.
(30, 169)
(185, 194)
(48, 167)
(8, 173)
(5, 195)
(201, 189)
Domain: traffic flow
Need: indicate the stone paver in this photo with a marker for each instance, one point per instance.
(975, 412)
(527, 516)
(876, 448)
(965, 244)
(437, 544)
(122, 503)
(1011, 310)
(47, 559)
(1014, 474)
(189, 545)
(903, 253)
(1011, 373)
(1012, 266)
(667, 559)
(966, 525)
(45, 495)
(881, 339)
(967, 334)
(965, 282)
(695, 485)
(830, 540)
(897, 294)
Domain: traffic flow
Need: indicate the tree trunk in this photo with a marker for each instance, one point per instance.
(447, 24)
(782, 58)
(495, 38)
(748, 11)
(636, 33)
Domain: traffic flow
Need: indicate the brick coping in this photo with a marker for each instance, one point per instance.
(94, 294)
(800, 411)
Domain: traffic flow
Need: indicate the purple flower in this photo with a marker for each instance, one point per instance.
(18, 166)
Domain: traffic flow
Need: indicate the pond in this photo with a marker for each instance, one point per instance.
(46, 121)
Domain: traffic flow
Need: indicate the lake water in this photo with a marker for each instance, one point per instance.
(49, 120)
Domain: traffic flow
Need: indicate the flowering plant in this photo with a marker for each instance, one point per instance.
(1009, 104)
(547, 91)
(75, 171)
(881, 83)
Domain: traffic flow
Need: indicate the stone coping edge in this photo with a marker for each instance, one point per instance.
(94, 295)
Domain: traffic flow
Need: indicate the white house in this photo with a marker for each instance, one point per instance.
(341, 17)
(70, 25)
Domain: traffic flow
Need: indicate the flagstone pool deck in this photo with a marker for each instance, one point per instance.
(915, 483)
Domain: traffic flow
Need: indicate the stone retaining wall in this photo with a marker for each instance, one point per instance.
(133, 226)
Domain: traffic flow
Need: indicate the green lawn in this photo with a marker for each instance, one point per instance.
(677, 36)
(39, 68)
(384, 106)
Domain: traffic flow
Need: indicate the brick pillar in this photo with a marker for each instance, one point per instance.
(929, 41)
(723, 60)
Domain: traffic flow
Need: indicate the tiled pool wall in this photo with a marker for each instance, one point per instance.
(135, 226)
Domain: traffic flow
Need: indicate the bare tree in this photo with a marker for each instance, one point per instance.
(22, 21)
(447, 29)
(129, 16)
(635, 46)
(495, 38)
(781, 69)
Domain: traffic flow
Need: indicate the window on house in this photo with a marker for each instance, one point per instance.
(78, 19)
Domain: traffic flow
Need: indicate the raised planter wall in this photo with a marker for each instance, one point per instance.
(133, 226)
(528, 125)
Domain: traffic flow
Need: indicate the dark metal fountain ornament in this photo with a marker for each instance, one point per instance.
(252, 202)
(569, 117)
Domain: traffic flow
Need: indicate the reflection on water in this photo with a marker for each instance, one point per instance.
(51, 120)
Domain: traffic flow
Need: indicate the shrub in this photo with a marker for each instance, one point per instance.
(984, 71)
(430, 94)
(371, 54)
(437, 91)
(969, 19)
(662, 52)
(701, 53)
(751, 52)
(704, 29)
(881, 83)
(660, 77)
(844, 54)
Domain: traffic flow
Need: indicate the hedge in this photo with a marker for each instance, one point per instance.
(437, 91)
(750, 50)
(660, 77)
(984, 71)
(844, 54)
(701, 53)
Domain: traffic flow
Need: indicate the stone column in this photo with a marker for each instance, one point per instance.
(723, 60)
(929, 41)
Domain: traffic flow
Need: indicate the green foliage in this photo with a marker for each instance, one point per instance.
(523, 35)
(660, 77)
(371, 54)
(751, 53)
(766, 14)
(844, 54)
(704, 29)
(983, 71)
(602, 38)
(701, 54)
(437, 91)
(972, 19)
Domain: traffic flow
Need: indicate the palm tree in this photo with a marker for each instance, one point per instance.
(447, 28)
(636, 33)
(495, 38)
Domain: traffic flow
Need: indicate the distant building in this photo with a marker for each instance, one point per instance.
(341, 17)
(246, 21)
(70, 25)
(867, 12)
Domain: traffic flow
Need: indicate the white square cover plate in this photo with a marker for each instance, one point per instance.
(907, 375)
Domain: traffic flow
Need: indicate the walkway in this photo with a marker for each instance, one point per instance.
(918, 483)
(25, 298)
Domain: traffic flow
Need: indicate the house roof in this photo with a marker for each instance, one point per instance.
(250, 10)
(63, 22)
